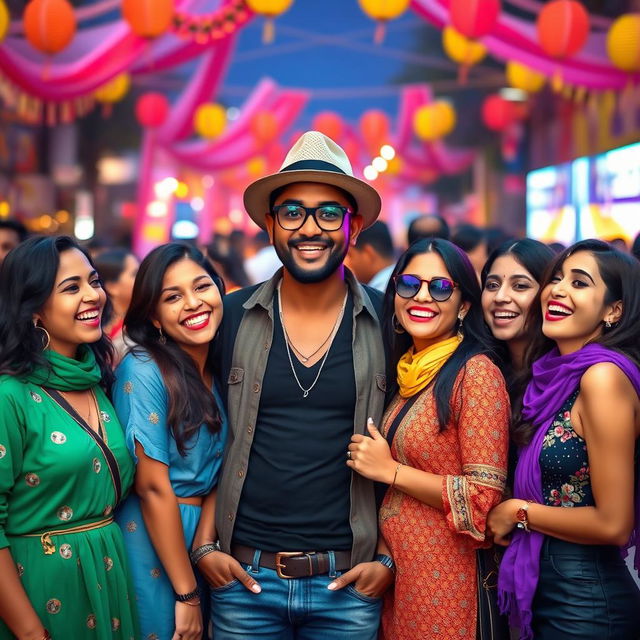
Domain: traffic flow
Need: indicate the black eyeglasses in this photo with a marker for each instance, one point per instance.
(292, 217)
(407, 286)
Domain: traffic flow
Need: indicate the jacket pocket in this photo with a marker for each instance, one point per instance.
(381, 382)
(236, 375)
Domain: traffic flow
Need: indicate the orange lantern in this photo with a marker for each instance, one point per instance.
(49, 25)
(563, 28)
(152, 110)
(270, 9)
(374, 126)
(382, 11)
(264, 127)
(148, 18)
(498, 113)
(474, 18)
(329, 123)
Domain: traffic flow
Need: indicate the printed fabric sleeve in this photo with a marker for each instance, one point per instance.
(481, 405)
(12, 443)
(140, 400)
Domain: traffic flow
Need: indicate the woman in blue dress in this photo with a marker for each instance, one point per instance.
(166, 398)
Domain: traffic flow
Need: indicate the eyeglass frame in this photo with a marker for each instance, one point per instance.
(422, 281)
(311, 211)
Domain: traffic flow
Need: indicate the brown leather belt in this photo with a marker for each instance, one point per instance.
(294, 564)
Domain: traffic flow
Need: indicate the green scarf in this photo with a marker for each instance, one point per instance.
(68, 374)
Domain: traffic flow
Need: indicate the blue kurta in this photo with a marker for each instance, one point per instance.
(141, 402)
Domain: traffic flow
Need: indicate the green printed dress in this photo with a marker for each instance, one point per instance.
(59, 486)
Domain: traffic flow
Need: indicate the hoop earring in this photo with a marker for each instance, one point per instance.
(46, 344)
(162, 339)
(397, 327)
(460, 332)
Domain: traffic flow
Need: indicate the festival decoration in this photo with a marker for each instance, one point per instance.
(148, 18)
(382, 11)
(270, 9)
(210, 120)
(263, 127)
(203, 28)
(49, 25)
(474, 18)
(463, 50)
(563, 28)
(374, 126)
(522, 77)
(434, 121)
(498, 113)
(152, 110)
(329, 123)
(623, 42)
(112, 92)
(5, 19)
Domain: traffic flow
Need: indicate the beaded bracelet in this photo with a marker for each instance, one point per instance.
(185, 597)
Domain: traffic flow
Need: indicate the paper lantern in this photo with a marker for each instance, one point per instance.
(49, 25)
(563, 28)
(256, 167)
(114, 90)
(463, 50)
(434, 121)
(270, 9)
(374, 126)
(329, 123)
(382, 11)
(264, 127)
(5, 19)
(498, 113)
(522, 77)
(148, 18)
(474, 18)
(623, 42)
(152, 110)
(210, 120)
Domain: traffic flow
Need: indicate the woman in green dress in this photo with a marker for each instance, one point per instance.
(64, 464)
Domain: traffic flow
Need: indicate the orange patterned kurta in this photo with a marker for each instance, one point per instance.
(435, 588)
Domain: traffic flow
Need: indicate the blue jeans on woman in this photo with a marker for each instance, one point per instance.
(292, 609)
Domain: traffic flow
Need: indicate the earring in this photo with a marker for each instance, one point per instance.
(460, 333)
(397, 327)
(162, 338)
(607, 324)
(47, 337)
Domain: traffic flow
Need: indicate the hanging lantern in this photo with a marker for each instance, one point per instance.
(210, 120)
(563, 28)
(270, 9)
(5, 19)
(522, 77)
(148, 18)
(49, 25)
(329, 123)
(264, 127)
(152, 110)
(474, 18)
(498, 113)
(623, 42)
(382, 11)
(464, 51)
(395, 166)
(374, 126)
(434, 121)
(256, 167)
(113, 91)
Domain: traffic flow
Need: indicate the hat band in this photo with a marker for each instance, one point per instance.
(313, 165)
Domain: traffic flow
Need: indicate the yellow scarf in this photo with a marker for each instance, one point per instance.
(417, 370)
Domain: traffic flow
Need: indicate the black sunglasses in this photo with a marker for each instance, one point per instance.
(292, 217)
(407, 286)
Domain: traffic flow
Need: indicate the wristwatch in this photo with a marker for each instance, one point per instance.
(522, 516)
(386, 560)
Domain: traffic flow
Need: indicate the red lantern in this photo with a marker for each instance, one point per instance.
(49, 25)
(563, 28)
(148, 18)
(498, 113)
(374, 126)
(152, 110)
(264, 127)
(329, 123)
(474, 18)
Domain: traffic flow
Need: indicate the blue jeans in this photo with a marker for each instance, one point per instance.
(288, 609)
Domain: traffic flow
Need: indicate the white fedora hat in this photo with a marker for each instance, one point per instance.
(313, 158)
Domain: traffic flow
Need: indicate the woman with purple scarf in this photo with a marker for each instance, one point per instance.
(563, 576)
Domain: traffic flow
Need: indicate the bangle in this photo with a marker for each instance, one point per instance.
(191, 603)
(522, 516)
(395, 476)
(387, 561)
(197, 554)
(185, 597)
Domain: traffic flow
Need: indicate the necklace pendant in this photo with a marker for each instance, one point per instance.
(306, 393)
(304, 359)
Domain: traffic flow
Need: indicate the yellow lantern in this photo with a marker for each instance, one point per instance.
(395, 166)
(382, 11)
(623, 42)
(256, 166)
(434, 121)
(270, 9)
(463, 50)
(5, 19)
(114, 90)
(522, 77)
(210, 120)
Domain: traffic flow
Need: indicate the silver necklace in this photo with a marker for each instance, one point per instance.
(332, 335)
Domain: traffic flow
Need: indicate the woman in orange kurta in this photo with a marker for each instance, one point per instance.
(446, 464)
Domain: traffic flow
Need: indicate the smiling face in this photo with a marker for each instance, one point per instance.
(310, 254)
(508, 292)
(426, 320)
(573, 303)
(189, 310)
(73, 311)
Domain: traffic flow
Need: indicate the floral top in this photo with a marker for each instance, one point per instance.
(564, 463)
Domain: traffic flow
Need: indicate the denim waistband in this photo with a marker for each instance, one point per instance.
(555, 546)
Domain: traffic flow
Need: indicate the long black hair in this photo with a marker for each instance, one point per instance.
(476, 339)
(27, 279)
(191, 404)
(620, 273)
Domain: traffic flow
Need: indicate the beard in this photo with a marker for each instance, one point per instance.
(337, 254)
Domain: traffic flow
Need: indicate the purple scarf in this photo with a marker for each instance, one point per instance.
(555, 377)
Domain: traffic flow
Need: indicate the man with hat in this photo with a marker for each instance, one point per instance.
(303, 363)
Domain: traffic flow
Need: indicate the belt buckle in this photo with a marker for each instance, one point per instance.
(289, 554)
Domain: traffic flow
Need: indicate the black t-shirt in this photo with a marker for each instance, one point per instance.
(296, 496)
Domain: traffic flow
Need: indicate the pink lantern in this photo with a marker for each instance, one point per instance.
(152, 110)
(498, 113)
(474, 18)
